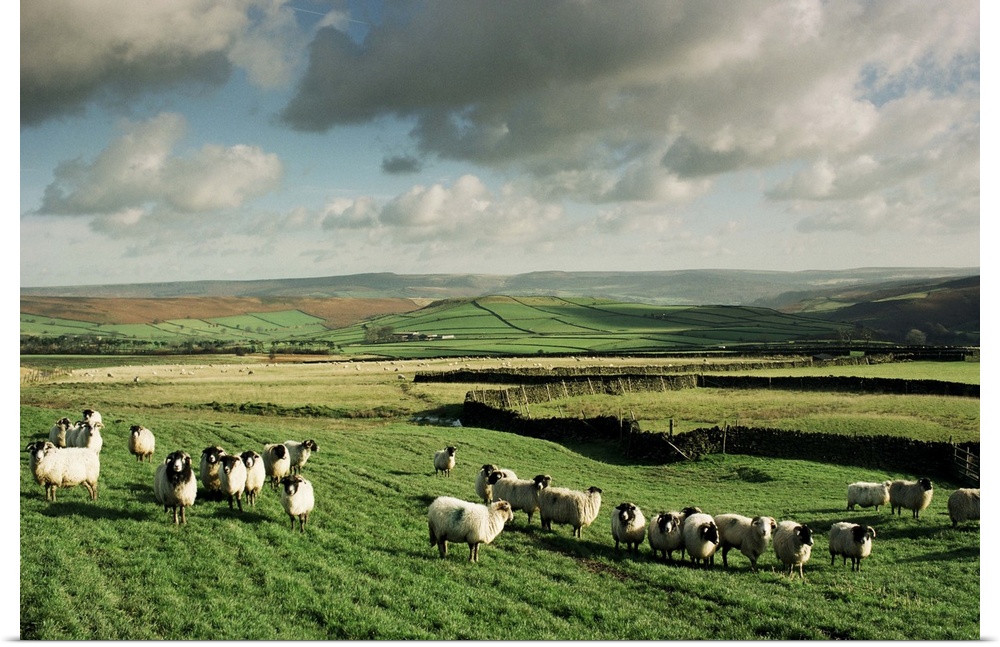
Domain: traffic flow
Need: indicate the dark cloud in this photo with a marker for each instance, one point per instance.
(401, 165)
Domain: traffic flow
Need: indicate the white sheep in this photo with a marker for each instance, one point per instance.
(174, 484)
(297, 499)
(868, 495)
(963, 505)
(233, 479)
(92, 418)
(299, 453)
(55, 467)
(277, 463)
(628, 526)
(57, 433)
(793, 543)
(750, 536)
(141, 443)
(444, 461)
(255, 475)
(483, 488)
(665, 534)
(701, 537)
(912, 495)
(850, 540)
(521, 494)
(86, 435)
(562, 505)
(208, 470)
(451, 519)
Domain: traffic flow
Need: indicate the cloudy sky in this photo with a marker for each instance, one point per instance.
(199, 139)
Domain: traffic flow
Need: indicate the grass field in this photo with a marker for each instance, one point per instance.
(117, 568)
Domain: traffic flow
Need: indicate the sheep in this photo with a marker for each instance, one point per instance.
(86, 435)
(850, 540)
(141, 443)
(174, 484)
(562, 505)
(57, 433)
(299, 453)
(451, 519)
(521, 494)
(208, 470)
(963, 505)
(701, 537)
(255, 475)
(297, 499)
(483, 488)
(793, 545)
(912, 495)
(277, 463)
(665, 534)
(92, 418)
(868, 495)
(750, 536)
(233, 479)
(628, 526)
(55, 467)
(444, 461)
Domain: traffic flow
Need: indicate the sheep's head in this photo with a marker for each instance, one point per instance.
(709, 532)
(690, 510)
(926, 484)
(764, 525)
(494, 477)
(505, 510)
(212, 455)
(310, 445)
(593, 489)
(542, 481)
(861, 534)
(291, 484)
(279, 451)
(249, 458)
(804, 534)
(450, 450)
(626, 512)
(64, 423)
(228, 463)
(38, 448)
(178, 462)
(667, 521)
(488, 469)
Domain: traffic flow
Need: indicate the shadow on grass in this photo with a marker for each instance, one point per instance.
(93, 510)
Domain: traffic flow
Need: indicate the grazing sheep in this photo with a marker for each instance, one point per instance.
(444, 461)
(57, 434)
(850, 540)
(483, 487)
(562, 505)
(451, 519)
(174, 484)
(665, 534)
(141, 443)
(55, 467)
(628, 526)
(255, 475)
(233, 479)
(208, 470)
(868, 495)
(750, 536)
(297, 499)
(963, 505)
(793, 545)
(912, 495)
(299, 453)
(521, 494)
(701, 538)
(277, 463)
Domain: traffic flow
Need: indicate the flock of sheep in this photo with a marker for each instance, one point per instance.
(689, 531)
(71, 457)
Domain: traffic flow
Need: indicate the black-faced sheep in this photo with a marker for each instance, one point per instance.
(850, 540)
(299, 453)
(483, 487)
(232, 479)
(665, 534)
(297, 499)
(255, 475)
(701, 537)
(868, 495)
(444, 461)
(912, 495)
(92, 418)
(963, 505)
(55, 467)
(521, 494)
(208, 470)
(57, 433)
(793, 543)
(628, 526)
(562, 505)
(750, 536)
(141, 443)
(174, 484)
(277, 463)
(451, 519)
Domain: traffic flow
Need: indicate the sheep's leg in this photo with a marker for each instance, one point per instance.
(292, 518)
(302, 521)
(725, 556)
(239, 501)
(474, 552)
(442, 547)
